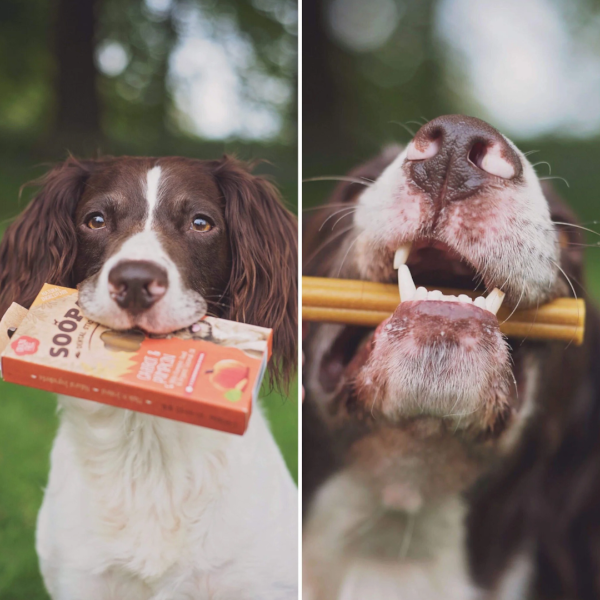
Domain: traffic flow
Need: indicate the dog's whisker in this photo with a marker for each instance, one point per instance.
(347, 252)
(342, 217)
(537, 309)
(410, 131)
(351, 210)
(574, 294)
(407, 537)
(320, 248)
(576, 227)
(576, 245)
(555, 177)
(543, 162)
(364, 182)
(326, 206)
(514, 310)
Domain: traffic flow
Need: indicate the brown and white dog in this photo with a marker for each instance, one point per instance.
(138, 507)
(441, 460)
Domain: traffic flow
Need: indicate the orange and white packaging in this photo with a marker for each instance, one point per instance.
(208, 375)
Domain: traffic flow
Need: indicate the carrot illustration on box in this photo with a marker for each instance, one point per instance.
(208, 374)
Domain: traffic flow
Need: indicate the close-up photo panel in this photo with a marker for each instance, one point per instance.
(451, 338)
(149, 300)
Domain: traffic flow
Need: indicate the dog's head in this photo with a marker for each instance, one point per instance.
(467, 211)
(156, 243)
(471, 205)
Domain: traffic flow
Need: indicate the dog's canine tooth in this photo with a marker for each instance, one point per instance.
(480, 302)
(401, 255)
(494, 300)
(420, 294)
(405, 284)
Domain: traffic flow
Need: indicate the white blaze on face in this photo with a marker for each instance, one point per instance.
(152, 194)
(178, 308)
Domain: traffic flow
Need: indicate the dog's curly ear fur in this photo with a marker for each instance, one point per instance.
(264, 248)
(40, 246)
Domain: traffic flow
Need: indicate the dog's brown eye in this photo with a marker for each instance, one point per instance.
(96, 222)
(201, 224)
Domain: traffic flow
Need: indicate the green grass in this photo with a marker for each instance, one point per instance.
(27, 426)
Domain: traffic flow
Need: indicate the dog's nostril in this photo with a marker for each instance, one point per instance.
(137, 285)
(489, 158)
(156, 289)
(477, 153)
(422, 149)
(116, 289)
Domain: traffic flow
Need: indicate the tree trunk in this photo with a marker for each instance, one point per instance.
(77, 104)
(320, 85)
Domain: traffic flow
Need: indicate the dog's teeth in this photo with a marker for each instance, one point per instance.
(401, 255)
(465, 298)
(494, 300)
(480, 302)
(420, 294)
(435, 295)
(405, 284)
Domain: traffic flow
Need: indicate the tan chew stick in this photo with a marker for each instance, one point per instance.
(367, 303)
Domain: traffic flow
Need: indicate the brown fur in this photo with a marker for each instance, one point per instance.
(254, 275)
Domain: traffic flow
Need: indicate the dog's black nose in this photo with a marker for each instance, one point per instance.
(136, 285)
(453, 157)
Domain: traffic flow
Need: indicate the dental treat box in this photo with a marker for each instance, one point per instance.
(208, 374)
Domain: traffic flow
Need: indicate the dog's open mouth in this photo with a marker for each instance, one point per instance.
(439, 354)
(433, 264)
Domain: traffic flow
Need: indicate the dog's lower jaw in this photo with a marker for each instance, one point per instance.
(147, 505)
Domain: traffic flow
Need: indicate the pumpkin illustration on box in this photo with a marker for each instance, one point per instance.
(231, 377)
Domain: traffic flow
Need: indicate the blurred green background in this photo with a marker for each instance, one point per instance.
(144, 77)
(373, 71)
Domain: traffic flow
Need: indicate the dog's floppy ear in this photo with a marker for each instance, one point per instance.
(40, 246)
(264, 248)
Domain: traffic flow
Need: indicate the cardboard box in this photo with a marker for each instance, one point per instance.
(208, 374)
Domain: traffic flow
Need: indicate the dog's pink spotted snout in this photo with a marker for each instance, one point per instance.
(454, 157)
(136, 285)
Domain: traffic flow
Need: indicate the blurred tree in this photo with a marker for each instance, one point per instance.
(85, 74)
(77, 104)
(357, 86)
(25, 66)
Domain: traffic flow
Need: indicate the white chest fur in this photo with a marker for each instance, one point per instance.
(151, 506)
(354, 548)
